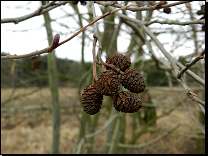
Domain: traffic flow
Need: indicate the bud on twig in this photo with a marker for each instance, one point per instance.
(54, 43)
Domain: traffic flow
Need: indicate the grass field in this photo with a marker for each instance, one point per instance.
(26, 125)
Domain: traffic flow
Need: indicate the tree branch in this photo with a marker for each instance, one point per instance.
(43, 9)
(53, 46)
(173, 62)
(188, 65)
(49, 49)
(193, 75)
(202, 21)
(94, 61)
(156, 6)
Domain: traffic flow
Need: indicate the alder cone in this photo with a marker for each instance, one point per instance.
(120, 61)
(127, 102)
(167, 10)
(133, 81)
(108, 83)
(91, 100)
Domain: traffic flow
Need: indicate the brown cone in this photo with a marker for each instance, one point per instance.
(167, 10)
(133, 81)
(127, 102)
(108, 83)
(120, 61)
(91, 100)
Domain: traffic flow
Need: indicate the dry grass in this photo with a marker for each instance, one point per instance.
(29, 131)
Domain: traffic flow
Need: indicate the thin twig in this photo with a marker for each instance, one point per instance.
(111, 66)
(46, 50)
(188, 65)
(144, 144)
(193, 75)
(122, 8)
(95, 133)
(173, 62)
(105, 4)
(53, 46)
(11, 57)
(175, 143)
(95, 36)
(100, 47)
(106, 14)
(187, 108)
(102, 62)
(94, 61)
(202, 21)
(43, 9)
(94, 17)
(199, 125)
(138, 22)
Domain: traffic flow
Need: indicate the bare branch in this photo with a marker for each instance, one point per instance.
(11, 57)
(157, 6)
(39, 11)
(53, 46)
(94, 61)
(202, 21)
(173, 62)
(102, 62)
(188, 65)
(193, 75)
(49, 49)
(106, 14)
(95, 78)
(94, 17)
(138, 22)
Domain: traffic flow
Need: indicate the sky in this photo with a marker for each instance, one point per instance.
(30, 35)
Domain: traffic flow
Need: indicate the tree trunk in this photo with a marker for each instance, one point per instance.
(52, 71)
(91, 129)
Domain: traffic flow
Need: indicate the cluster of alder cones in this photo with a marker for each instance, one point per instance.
(202, 12)
(109, 84)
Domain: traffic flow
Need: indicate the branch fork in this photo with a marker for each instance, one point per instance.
(96, 38)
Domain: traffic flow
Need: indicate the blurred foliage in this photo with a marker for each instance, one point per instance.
(69, 72)
(25, 75)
